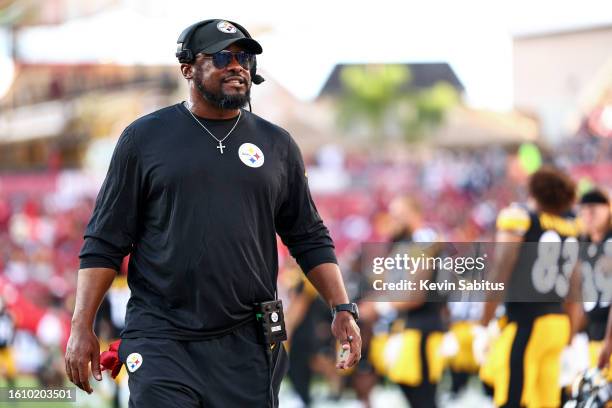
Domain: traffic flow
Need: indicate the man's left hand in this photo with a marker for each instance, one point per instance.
(346, 331)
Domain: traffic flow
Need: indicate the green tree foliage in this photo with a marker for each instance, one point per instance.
(17, 12)
(378, 98)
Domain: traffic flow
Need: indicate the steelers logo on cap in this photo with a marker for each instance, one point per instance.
(226, 27)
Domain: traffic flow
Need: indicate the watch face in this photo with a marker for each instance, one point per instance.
(354, 311)
(348, 307)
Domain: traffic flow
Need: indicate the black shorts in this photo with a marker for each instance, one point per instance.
(228, 371)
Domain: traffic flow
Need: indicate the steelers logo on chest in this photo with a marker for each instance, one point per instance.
(251, 155)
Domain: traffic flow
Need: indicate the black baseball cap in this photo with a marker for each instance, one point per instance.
(594, 196)
(218, 35)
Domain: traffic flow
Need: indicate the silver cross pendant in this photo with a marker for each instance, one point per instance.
(221, 147)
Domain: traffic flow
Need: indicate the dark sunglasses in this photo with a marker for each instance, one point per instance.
(223, 58)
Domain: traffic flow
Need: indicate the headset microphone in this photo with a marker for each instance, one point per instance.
(255, 77)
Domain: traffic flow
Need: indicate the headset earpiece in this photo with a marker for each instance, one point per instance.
(185, 55)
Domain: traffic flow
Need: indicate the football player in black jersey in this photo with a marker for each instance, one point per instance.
(536, 257)
(597, 285)
(595, 256)
(417, 365)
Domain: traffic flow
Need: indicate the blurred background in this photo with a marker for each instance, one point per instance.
(451, 103)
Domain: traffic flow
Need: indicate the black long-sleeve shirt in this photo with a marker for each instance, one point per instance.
(200, 225)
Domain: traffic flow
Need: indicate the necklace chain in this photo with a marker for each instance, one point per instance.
(221, 146)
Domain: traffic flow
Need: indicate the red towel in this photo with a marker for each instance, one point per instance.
(109, 360)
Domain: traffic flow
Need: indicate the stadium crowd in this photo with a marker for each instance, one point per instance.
(460, 191)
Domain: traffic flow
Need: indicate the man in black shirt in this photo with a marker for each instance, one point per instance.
(196, 193)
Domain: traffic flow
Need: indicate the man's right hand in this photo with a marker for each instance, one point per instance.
(83, 348)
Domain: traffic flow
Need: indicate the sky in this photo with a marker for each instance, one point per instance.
(303, 41)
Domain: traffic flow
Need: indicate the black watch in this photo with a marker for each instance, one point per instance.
(347, 307)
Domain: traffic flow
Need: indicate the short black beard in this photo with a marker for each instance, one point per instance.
(222, 100)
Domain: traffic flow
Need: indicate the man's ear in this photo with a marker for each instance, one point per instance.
(187, 71)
